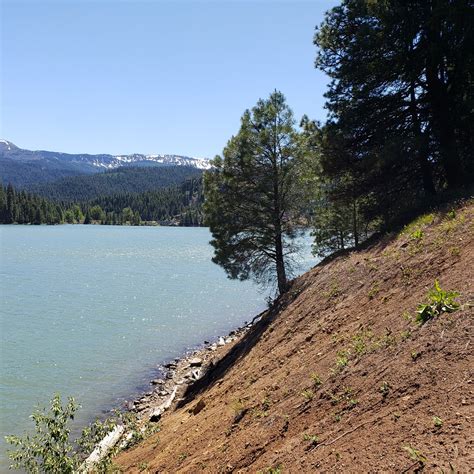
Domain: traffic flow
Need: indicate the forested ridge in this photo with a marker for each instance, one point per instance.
(125, 180)
(172, 205)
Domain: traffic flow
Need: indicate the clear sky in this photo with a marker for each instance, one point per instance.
(151, 76)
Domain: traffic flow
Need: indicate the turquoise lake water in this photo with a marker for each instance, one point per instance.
(89, 311)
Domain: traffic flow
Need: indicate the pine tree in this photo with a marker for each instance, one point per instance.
(249, 195)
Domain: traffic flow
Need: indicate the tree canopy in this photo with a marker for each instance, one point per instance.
(250, 201)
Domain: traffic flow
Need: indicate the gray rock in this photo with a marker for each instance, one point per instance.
(195, 362)
(155, 415)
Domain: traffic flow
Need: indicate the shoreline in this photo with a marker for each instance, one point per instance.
(178, 375)
(181, 372)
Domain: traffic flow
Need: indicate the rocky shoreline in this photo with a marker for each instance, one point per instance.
(179, 373)
(177, 376)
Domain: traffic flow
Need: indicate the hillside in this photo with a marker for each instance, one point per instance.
(337, 376)
(117, 181)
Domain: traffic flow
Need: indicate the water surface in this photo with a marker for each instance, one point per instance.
(89, 311)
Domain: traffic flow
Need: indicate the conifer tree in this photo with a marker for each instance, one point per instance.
(249, 203)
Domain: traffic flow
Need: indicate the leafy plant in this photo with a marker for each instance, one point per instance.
(385, 389)
(342, 359)
(317, 380)
(451, 214)
(437, 422)
(441, 301)
(374, 289)
(308, 394)
(50, 450)
(183, 456)
(416, 455)
(271, 470)
(313, 439)
(143, 466)
(415, 355)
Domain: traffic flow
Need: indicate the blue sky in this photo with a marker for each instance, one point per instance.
(151, 76)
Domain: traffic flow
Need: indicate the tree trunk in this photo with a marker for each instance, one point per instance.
(441, 109)
(280, 265)
(422, 153)
(354, 223)
(280, 262)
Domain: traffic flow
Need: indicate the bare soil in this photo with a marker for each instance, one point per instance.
(337, 376)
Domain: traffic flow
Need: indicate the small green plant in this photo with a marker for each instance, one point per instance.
(238, 406)
(440, 301)
(337, 418)
(417, 234)
(271, 470)
(317, 380)
(385, 389)
(308, 394)
(143, 466)
(404, 335)
(266, 402)
(342, 359)
(416, 455)
(182, 456)
(415, 355)
(333, 291)
(313, 439)
(437, 422)
(352, 403)
(374, 290)
(454, 251)
(418, 223)
(451, 214)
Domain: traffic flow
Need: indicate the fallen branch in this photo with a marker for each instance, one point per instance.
(103, 448)
(352, 430)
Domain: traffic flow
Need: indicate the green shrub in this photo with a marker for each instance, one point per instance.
(317, 380)
(440, 302)
(308, 394)
(50, 449)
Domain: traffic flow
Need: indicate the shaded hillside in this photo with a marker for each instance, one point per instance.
(119, 181)
(25, 174)
(338, 376)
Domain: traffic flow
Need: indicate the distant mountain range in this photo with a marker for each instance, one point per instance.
(26, 168)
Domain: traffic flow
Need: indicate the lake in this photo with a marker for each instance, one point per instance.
(89, 311)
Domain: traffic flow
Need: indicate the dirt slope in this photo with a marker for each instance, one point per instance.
(337, 377)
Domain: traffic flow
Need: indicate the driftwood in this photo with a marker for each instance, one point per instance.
(102, 449)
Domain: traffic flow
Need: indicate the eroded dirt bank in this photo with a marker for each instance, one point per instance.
(338, 377)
